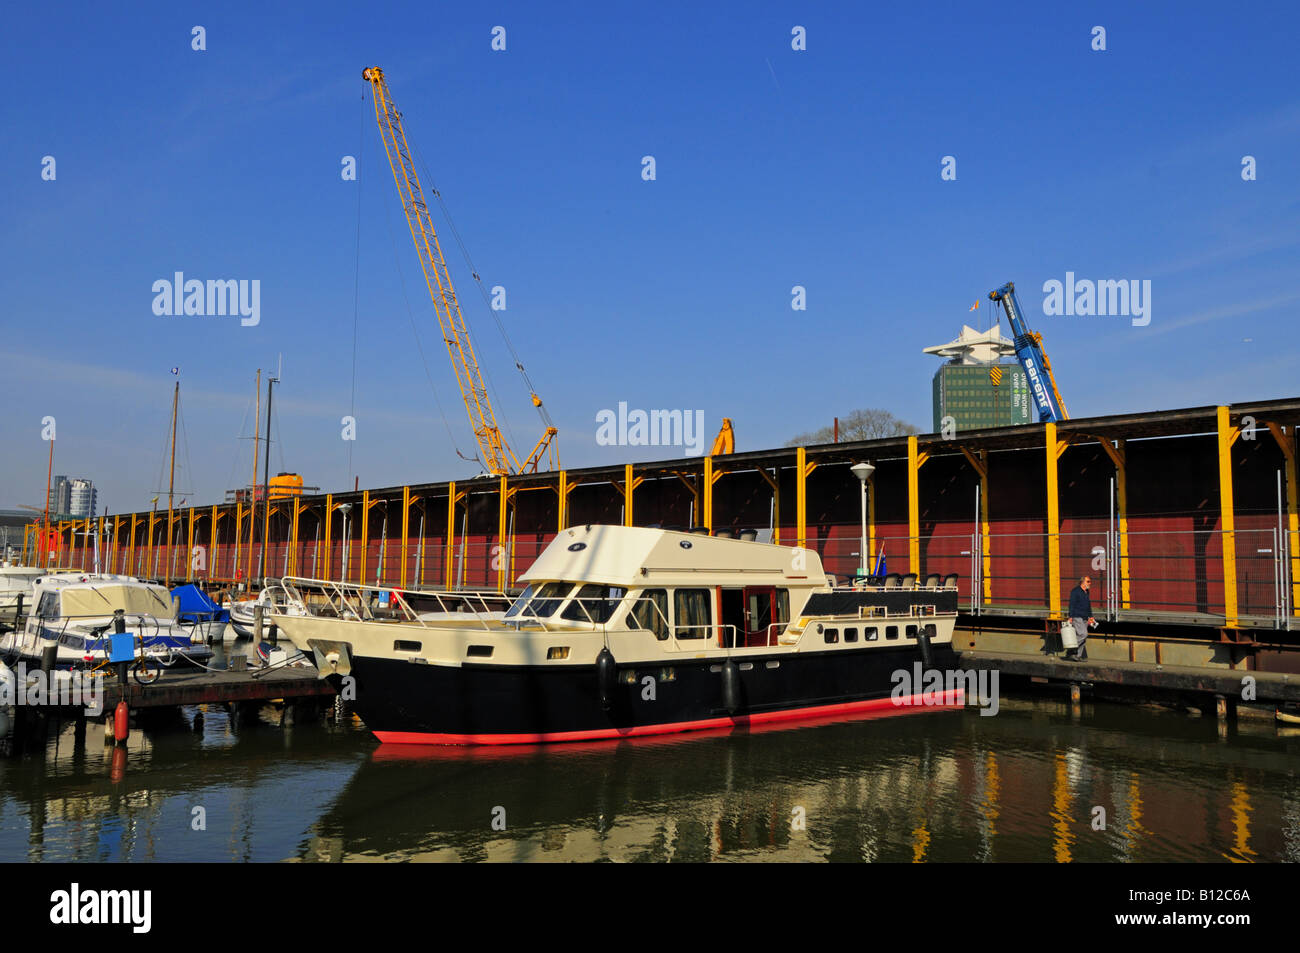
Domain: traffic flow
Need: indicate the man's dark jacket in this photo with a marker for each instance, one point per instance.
(1080, 604)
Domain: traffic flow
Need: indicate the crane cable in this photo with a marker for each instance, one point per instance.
(356, 286)
(469, 263)
(489, 385)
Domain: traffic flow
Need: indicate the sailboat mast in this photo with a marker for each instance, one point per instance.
(266, 481)
(252, 497)
(171, 479)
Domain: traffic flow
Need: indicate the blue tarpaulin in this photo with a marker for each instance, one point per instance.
(197, 607)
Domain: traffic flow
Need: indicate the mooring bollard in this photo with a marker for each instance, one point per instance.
(48, 655)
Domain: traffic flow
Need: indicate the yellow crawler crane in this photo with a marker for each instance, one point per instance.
(498, 458)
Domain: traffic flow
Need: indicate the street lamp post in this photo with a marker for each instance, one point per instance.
(863, 472)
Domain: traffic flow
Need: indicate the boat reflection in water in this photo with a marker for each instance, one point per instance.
(947, 786)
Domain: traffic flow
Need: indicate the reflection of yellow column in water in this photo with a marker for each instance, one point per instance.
(989, 805)
(920, 843)
(1060, 807)
(1135, 831)
(1241, 852)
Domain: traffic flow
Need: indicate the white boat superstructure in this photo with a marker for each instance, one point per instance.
(17, 581)
(75, 612)
(274, 598)
(625, 631)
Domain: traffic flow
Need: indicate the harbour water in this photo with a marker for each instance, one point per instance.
(1029, 784)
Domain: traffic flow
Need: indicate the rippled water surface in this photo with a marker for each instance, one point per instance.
(1029, 784)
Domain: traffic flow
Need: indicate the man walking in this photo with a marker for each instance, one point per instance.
(1080, 618)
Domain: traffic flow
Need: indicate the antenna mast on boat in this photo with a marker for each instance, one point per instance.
(171, 479)
(266, 480)
(252, 486)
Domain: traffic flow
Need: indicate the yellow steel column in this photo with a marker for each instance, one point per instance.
(365, 537)
(213, 564)
(1053, 526)
(325, 536)
(1121, 490)
(801, 497)
(1293, 521)
(915, 460)
(406, 530)
(563, 492)
(153, 519)
(295, 511)
(980, 463)
(1287, 442)
(238, 543)
(451, 530)
(1227, 434)
(707, 514)
(500, 555)
(627, 495)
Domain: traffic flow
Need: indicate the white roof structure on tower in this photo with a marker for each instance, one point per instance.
(975, 347)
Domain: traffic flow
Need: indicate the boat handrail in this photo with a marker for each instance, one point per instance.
(352, 596)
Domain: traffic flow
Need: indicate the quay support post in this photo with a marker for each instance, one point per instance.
(803, 468)
(979, 462)
(406, 532)
(450, 561)
(1286, 441)
(628, 490)
(1054, 449)
(1119, 457)
(499, 555)
(1227, 436)
(214, 561)
(326, 533)
(365, 537)
(774, 481)
(916, 458)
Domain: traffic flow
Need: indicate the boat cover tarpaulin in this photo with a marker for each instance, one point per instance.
(195, 605)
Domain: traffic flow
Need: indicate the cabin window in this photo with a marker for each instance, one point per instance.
(831, 635)
(479, 651)
(911, 631)
(850, 635)
(692, 613)
(594, 604)
(402, 645)
(782, 606)
(891, 632)
(547, 599)
(49, 606)
(930, 631)
(870, 634)
(650, 612)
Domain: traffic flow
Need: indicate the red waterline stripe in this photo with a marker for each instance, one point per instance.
(947, 699)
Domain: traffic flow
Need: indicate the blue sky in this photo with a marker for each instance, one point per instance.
(775, 168)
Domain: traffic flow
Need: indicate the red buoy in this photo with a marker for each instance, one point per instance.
(121, 724)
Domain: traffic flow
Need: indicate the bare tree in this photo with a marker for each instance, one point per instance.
(870, 423)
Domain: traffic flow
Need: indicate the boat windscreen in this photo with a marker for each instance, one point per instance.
(594, 603)
(539, 603)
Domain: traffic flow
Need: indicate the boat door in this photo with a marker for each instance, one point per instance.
(759, 604)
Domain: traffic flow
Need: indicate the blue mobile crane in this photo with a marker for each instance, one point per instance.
(1032, 357)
